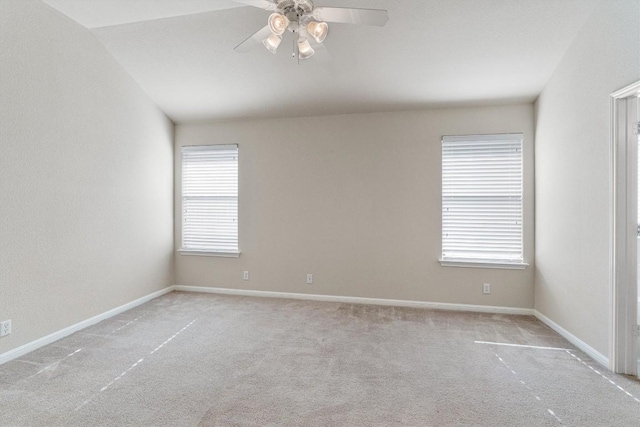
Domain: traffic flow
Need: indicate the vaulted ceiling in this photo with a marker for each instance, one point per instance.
(431, 53)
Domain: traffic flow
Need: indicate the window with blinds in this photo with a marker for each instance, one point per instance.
(482, 198)
(210, 199)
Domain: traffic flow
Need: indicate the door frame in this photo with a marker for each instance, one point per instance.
(623, 347)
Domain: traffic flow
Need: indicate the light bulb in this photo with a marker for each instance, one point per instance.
(305, 51)
(272, 42)
(318, 30)
(278, 23)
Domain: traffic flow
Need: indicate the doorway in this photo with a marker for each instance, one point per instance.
(625, 220)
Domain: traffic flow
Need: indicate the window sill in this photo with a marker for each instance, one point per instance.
(192, 252)
(483, 264)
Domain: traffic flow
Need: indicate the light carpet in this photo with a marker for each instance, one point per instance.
(208, 360)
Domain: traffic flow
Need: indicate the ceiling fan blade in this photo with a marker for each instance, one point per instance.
(343, 15)
(261, 4)
(254, 40)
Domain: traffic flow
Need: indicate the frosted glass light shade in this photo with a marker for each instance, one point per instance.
(272, 42)
(278, 23)
(304, 49)
(318, 30)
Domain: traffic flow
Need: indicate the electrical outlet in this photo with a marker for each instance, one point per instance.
(245, 275)
(486, 288)
(309, 279)
(5, 328)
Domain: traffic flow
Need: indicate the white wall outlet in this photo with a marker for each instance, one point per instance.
(486, 288)
(309, 279)
(5, 328)
(245, 275)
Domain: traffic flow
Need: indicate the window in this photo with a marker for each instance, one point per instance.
(210, 200)
(482, 201)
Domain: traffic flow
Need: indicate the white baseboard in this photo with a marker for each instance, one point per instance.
(359, 300)
(41, 342)
(592, 352)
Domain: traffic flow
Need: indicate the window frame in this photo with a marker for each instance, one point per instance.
(206, 251)
(494, 263)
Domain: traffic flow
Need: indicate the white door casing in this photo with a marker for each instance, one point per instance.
(623, 230)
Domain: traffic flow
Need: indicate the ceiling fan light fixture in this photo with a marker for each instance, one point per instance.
(278, 23)
(272, 43)
(318, 30)
(305, 51)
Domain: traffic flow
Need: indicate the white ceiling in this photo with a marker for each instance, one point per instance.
(106, 13)
(431, 53)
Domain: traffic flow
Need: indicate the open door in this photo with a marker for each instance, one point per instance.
(625, 238)
(634, 113)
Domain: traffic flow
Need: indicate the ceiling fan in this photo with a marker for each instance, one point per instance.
(307, 23)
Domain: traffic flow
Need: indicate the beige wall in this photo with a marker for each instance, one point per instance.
(572, 171)
(86, 178)
(355, 200)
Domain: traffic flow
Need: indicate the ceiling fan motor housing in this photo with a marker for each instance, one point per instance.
(300, 7)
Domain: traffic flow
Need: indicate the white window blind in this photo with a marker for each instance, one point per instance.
(482, 198)
(210, 199)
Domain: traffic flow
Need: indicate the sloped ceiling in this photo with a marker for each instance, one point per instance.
(431, 53)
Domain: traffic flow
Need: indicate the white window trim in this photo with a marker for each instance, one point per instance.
(483, 264)
(487, 263)
(192, 252)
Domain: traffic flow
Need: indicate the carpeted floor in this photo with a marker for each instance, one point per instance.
(207, 360)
